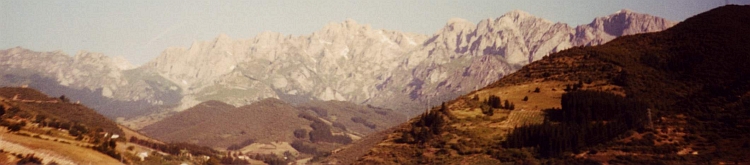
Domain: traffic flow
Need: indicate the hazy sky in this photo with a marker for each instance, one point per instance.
(140, 30)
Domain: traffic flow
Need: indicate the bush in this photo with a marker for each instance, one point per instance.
(300, 133)
(358, 120)
(15, 127)
(30, 159)
(494, 101)
(322, 133)
(487, 110)
(300, 146)
(381, 112)
(339, 125)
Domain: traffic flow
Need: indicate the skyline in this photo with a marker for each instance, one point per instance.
(141, 30)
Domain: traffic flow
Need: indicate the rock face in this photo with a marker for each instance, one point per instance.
(85, 70)
(623, 22)
(353, 62)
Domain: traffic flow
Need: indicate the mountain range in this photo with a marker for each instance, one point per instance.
(680, 96)
(343, 61)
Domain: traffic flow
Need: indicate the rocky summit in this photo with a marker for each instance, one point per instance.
(344, 61)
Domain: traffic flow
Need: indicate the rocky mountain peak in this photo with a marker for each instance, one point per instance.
(222, 39)
(517, 17)
(626, 11)
(267, 37)
(622, 22)
(122, 63)
(517, 14)
(349, 25)
(458, 23)
(16, 50)
(91, 57)
(116, 63)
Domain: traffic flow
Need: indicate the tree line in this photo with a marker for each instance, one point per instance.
(586, 118)
(429, 124)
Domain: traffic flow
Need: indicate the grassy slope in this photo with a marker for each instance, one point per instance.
(70, 152)
(61, 111)
(694, 72)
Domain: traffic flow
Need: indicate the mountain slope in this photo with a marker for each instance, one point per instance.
(357, 119)
(220, 125)
(692, 78)
(271, 126)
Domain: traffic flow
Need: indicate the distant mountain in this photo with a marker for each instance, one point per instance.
(99, 81)
(353, 62)
(220, 125)
(343, 61)
(686, 92)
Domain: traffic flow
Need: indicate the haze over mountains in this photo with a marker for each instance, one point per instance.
(627, 88)
(342, 61)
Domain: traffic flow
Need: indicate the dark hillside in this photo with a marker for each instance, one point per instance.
(707, 49)
(201, 113)
(693, 77)
(221, 125)
(697, 69)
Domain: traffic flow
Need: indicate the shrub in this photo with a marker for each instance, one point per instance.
(15, 127)
(381, 112)
(300, 133)
(358, 120)
(494, 101)
(30, 159)
(322, 133)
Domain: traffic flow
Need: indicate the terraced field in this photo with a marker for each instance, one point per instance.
(524, 117)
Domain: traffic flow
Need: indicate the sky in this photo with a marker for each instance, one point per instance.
(140, 30)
